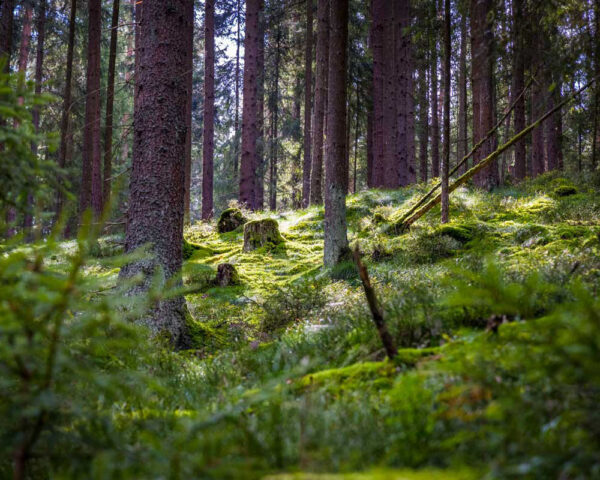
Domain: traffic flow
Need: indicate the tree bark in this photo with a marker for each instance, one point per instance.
(435, 119)
(156, 204)
(318, 121)
(250, 128)
(67, 102)
(7, 14)
(274, 109)
(537, 138)
(336, 241)
(189, 77)
(307, 104)
(518, 86)
(446, 155)
(91, 177)
(260, 159)
(424, 123)
(208, 144)
(236, 121)
(462, 144)
(110, 100)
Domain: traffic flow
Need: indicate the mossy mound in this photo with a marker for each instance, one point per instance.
(230, 220)
(460, 232)
(261, 233)
(189, 249)
(565, 191)
(227, 275)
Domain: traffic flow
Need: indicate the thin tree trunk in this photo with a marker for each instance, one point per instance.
(462, 144)
(370, 148)
(537, 141)
(318, 121)
(250, 128)
(110, 100)
(518, 85)
(208, 144)
(274, 108)
(551, 131)
(189, 77)
(424, 123)
(260, 160)
(67, 102)
(446, 155)
(377, 36)
(336, 241)
(435, 119)
(91, 177)
(356, 135)
(156, 204)
(307, 104)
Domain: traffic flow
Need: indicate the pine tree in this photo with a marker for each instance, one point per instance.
(208, 144)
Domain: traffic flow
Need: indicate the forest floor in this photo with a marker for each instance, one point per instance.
(496, 317)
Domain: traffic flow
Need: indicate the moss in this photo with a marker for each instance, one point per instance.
(565, 191)
(189, 249)
(261, 233)
(230, 220)
(461, 232)
(427, 474)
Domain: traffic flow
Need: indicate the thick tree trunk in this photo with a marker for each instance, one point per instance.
(7, 13)
(260, 160)
(336, 241)
(189, 77)
(25, 38)
(307, 104)
(110, 100)
(519, 86)
(318, 121)
(208, 144)
(156, 205)
(390, 92)
(91, 177)
(67, 101)
(446, 154)
(463, 142)
(379, 8)
(236, 121)
(250, 127)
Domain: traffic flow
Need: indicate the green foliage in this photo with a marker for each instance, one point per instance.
(565, 191)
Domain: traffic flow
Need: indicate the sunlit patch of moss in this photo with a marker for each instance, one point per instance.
(426, 474)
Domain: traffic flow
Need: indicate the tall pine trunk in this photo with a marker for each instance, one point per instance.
(7, 13)
(424, 122)
(110, 100)
(274, 109)
(318, 122)
(260, 89)
(336, 241)
(67, 102)
(446, 77)
(463, 142)
(208, 142)
(236, 116)
(435, 118)
(189, 77)
(518, 86)
(307, 104)
(91, 175)
(250, 127)
(156, 204)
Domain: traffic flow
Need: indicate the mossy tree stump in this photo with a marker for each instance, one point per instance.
(230, 220)
(259, 233)
(227, 275)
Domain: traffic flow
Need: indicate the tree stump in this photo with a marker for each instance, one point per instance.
(230, 220)
(227, 275)
(259, 233)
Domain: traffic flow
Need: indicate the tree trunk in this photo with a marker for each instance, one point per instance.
(236, 121)
(208, 144)
(424, 123)
(91, 177)
(318, 121)
(260, 160)
(596, 93)
(40, 27)
(307, 104)
(379, 74)
(274, 109)
(519, 86)
(156, 204)
(405, 135)
(553, 146)
(25, 39)
(390, 128)
(250, 128)
(67, 101)
(537, 138)
(446, 154)
(336, 241)
(110, 100)
(189, 77)
(370, 148)
(435, 119)
(7, 13)
(462, 144)
(356, 136)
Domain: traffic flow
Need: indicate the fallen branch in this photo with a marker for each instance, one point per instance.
(476, 147)
(384, 334)
(406, 221)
